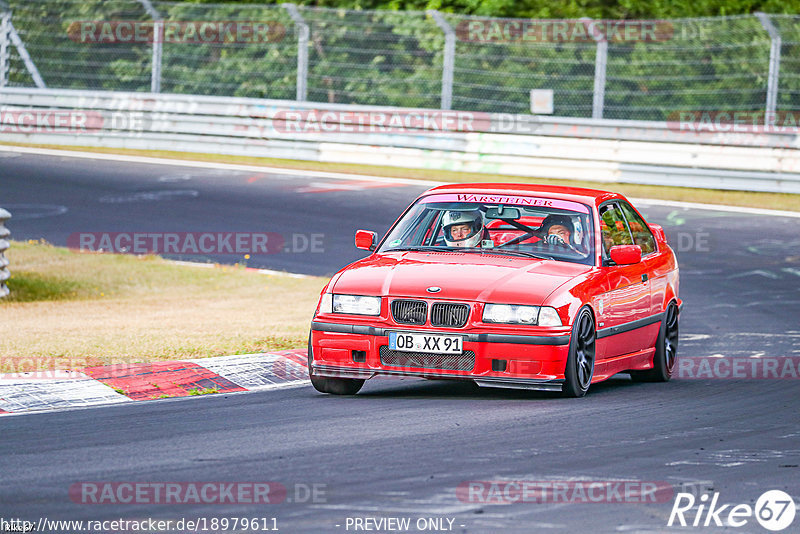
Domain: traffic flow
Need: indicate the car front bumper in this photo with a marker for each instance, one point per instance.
(496, 358)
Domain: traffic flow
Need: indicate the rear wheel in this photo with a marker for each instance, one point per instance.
(580, 361)
(666, 353)
(334, 386)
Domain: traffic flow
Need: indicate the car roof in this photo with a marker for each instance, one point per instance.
(580, 194)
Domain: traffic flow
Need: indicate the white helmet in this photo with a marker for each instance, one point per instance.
(454, 218)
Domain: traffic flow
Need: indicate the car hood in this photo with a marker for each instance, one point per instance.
(461, 276)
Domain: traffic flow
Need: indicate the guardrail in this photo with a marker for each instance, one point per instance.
(645, 152)
(4, 234)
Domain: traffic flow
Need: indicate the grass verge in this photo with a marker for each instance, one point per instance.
(69, 310)
(778, 201)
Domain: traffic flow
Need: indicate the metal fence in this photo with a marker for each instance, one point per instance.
(4, 235)
(642, 70)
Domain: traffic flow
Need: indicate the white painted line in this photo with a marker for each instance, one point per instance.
(268, 272)
(348, 176)
(214, 165)
(192, 264)
(716, 207)
(285, 385)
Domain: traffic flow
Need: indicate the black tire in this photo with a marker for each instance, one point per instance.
(334, 386)
(580, 362)
(666, 353)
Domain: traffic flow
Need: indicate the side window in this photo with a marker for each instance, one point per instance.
(613, 227)
(641, 233)
(433, 226)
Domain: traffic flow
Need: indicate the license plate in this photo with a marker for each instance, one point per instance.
(437, 344)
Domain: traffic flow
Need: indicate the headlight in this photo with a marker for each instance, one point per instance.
(325, 303)
(356, 304)
(513, 314)
(506, 313)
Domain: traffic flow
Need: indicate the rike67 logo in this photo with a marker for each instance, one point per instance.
(774, 510)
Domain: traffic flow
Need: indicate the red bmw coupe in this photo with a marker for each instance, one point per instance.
(508, 285)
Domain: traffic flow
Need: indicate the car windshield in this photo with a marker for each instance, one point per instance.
(516, 225)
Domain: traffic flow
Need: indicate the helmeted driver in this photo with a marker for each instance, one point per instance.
(463, 229)
(558, 230)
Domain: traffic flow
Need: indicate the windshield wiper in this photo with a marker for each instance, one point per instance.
(430, 248)
(512, 252)
(419, 248)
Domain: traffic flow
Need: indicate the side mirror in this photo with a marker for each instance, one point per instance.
(658, 231)
(365, 240)
(625, 254)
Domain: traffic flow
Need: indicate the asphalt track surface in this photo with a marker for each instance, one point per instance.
(401, 447)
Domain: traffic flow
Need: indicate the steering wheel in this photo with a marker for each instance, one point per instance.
(556, 241)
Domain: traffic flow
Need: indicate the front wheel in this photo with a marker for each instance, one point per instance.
(334, 386)
(580, 361)
(666, 353)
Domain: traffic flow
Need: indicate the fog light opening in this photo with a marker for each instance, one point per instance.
(499, 365)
